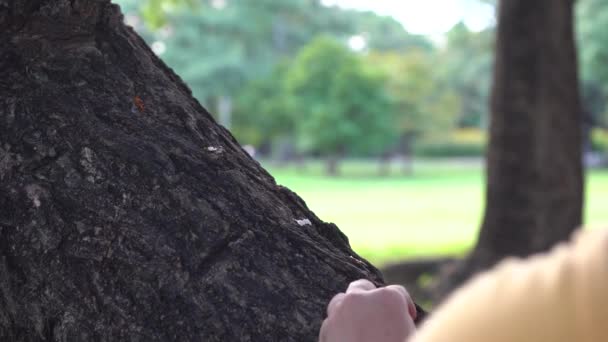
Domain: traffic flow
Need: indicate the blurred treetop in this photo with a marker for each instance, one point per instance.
(592, 20)
(218, 45)
(236, 56)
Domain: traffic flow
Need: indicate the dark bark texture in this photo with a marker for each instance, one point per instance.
(534, 191)
(127, 213)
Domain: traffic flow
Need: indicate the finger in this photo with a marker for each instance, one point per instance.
(335, 303)
(411, 308)
(360, 285)
(323, 331)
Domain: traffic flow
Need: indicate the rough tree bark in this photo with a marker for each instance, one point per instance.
(534, 191)
(127, 213)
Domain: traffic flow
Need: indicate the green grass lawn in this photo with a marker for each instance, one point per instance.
(436, 210)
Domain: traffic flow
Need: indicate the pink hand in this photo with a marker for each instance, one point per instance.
(366, 313)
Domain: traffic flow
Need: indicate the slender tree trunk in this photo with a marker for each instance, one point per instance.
(384, 164)
(331, 166)
(300, 161)
(534, 191)
(408, 155)
(127, 213)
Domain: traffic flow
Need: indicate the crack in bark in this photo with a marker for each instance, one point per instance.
(219, 250)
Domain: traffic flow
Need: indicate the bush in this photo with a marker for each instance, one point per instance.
(599, 140)
(470, 135)
(460, 143)
(449, 149)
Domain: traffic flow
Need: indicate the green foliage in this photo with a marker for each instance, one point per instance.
(448, 148)
(421, 109)
(599, 140)
(460, 143)
(155, 11)
(465, 66)
(592, 15)
(341, 105)
(263, 110)
(592, 18)
(214, 51)
(219, 46)
(333, 101)
(384, 34)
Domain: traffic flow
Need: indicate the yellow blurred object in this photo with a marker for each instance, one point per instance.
(469, 135)
(557, 296)
(599, 139)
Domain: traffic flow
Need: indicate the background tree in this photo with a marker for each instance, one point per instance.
(272, 126)
(465, 67)
(250, 39)
(534, 190)
(338, 102)
(422, 111)
(220, 46)
(591, 16)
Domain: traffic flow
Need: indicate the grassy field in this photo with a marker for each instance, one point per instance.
(436, 210)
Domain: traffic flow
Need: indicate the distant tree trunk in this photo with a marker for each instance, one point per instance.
(284, 151)
(300, 161)
(127, 213)
(407, 140)
(331, 166)
(384, 163)
(534, 188)
(332, 161)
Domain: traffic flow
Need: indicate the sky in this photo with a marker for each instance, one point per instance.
(428, 17)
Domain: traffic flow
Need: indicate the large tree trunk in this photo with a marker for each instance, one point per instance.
(126, 213)
(534, 165)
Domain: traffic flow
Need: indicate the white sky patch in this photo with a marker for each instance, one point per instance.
(218, 4)
(357, 43)
(132, 20)
(428, 17)
(159, 48)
